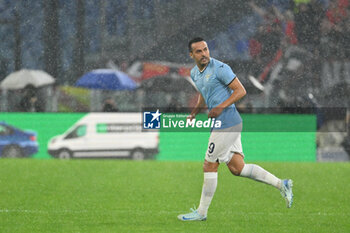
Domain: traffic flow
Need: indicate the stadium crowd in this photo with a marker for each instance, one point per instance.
(297, 47)
(301, 52)
(320, 28)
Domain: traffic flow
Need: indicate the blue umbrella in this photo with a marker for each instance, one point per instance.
(106, 79)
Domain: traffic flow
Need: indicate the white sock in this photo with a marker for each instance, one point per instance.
(208, 190)
(258, 173)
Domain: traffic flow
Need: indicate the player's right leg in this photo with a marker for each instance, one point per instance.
(208, 190)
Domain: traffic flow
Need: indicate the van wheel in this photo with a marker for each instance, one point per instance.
(12, 152)
(138, 154)
(64, 154)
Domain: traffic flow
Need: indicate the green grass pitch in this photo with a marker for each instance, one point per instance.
(128, 196)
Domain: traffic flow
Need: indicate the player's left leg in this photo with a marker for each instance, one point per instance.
(255, 172)
(252, 171)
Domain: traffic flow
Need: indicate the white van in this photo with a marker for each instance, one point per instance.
(104, 135)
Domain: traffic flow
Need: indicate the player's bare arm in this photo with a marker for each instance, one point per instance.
(200, 104)
(238, 93)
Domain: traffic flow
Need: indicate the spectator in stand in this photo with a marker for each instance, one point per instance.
(109, 105)
(264, 47)
(327, 45)
(267, 15)
(335, 46)
(307, 24)
(337, 11)
(29, 102)
(297, 2)
(287, 20)
(337, 15)
(266, 43)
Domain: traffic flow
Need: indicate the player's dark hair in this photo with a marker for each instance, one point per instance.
(194, 40)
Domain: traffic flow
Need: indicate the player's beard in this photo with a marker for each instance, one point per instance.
(204, 61)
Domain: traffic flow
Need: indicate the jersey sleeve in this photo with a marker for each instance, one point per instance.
(225, 74)
(192, 74)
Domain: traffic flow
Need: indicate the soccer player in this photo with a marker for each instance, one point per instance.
(219, 89)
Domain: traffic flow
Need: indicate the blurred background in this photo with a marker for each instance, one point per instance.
(97, 55)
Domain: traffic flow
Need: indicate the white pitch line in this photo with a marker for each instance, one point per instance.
(42, 211)
(164, 212)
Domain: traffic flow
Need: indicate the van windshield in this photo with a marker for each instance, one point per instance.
(4, 131)
(79, 131)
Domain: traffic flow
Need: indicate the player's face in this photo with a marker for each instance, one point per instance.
(200, 53)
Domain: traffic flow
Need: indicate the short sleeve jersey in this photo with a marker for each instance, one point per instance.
(213, 83)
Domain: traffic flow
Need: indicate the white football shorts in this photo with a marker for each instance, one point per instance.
(224, 143)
